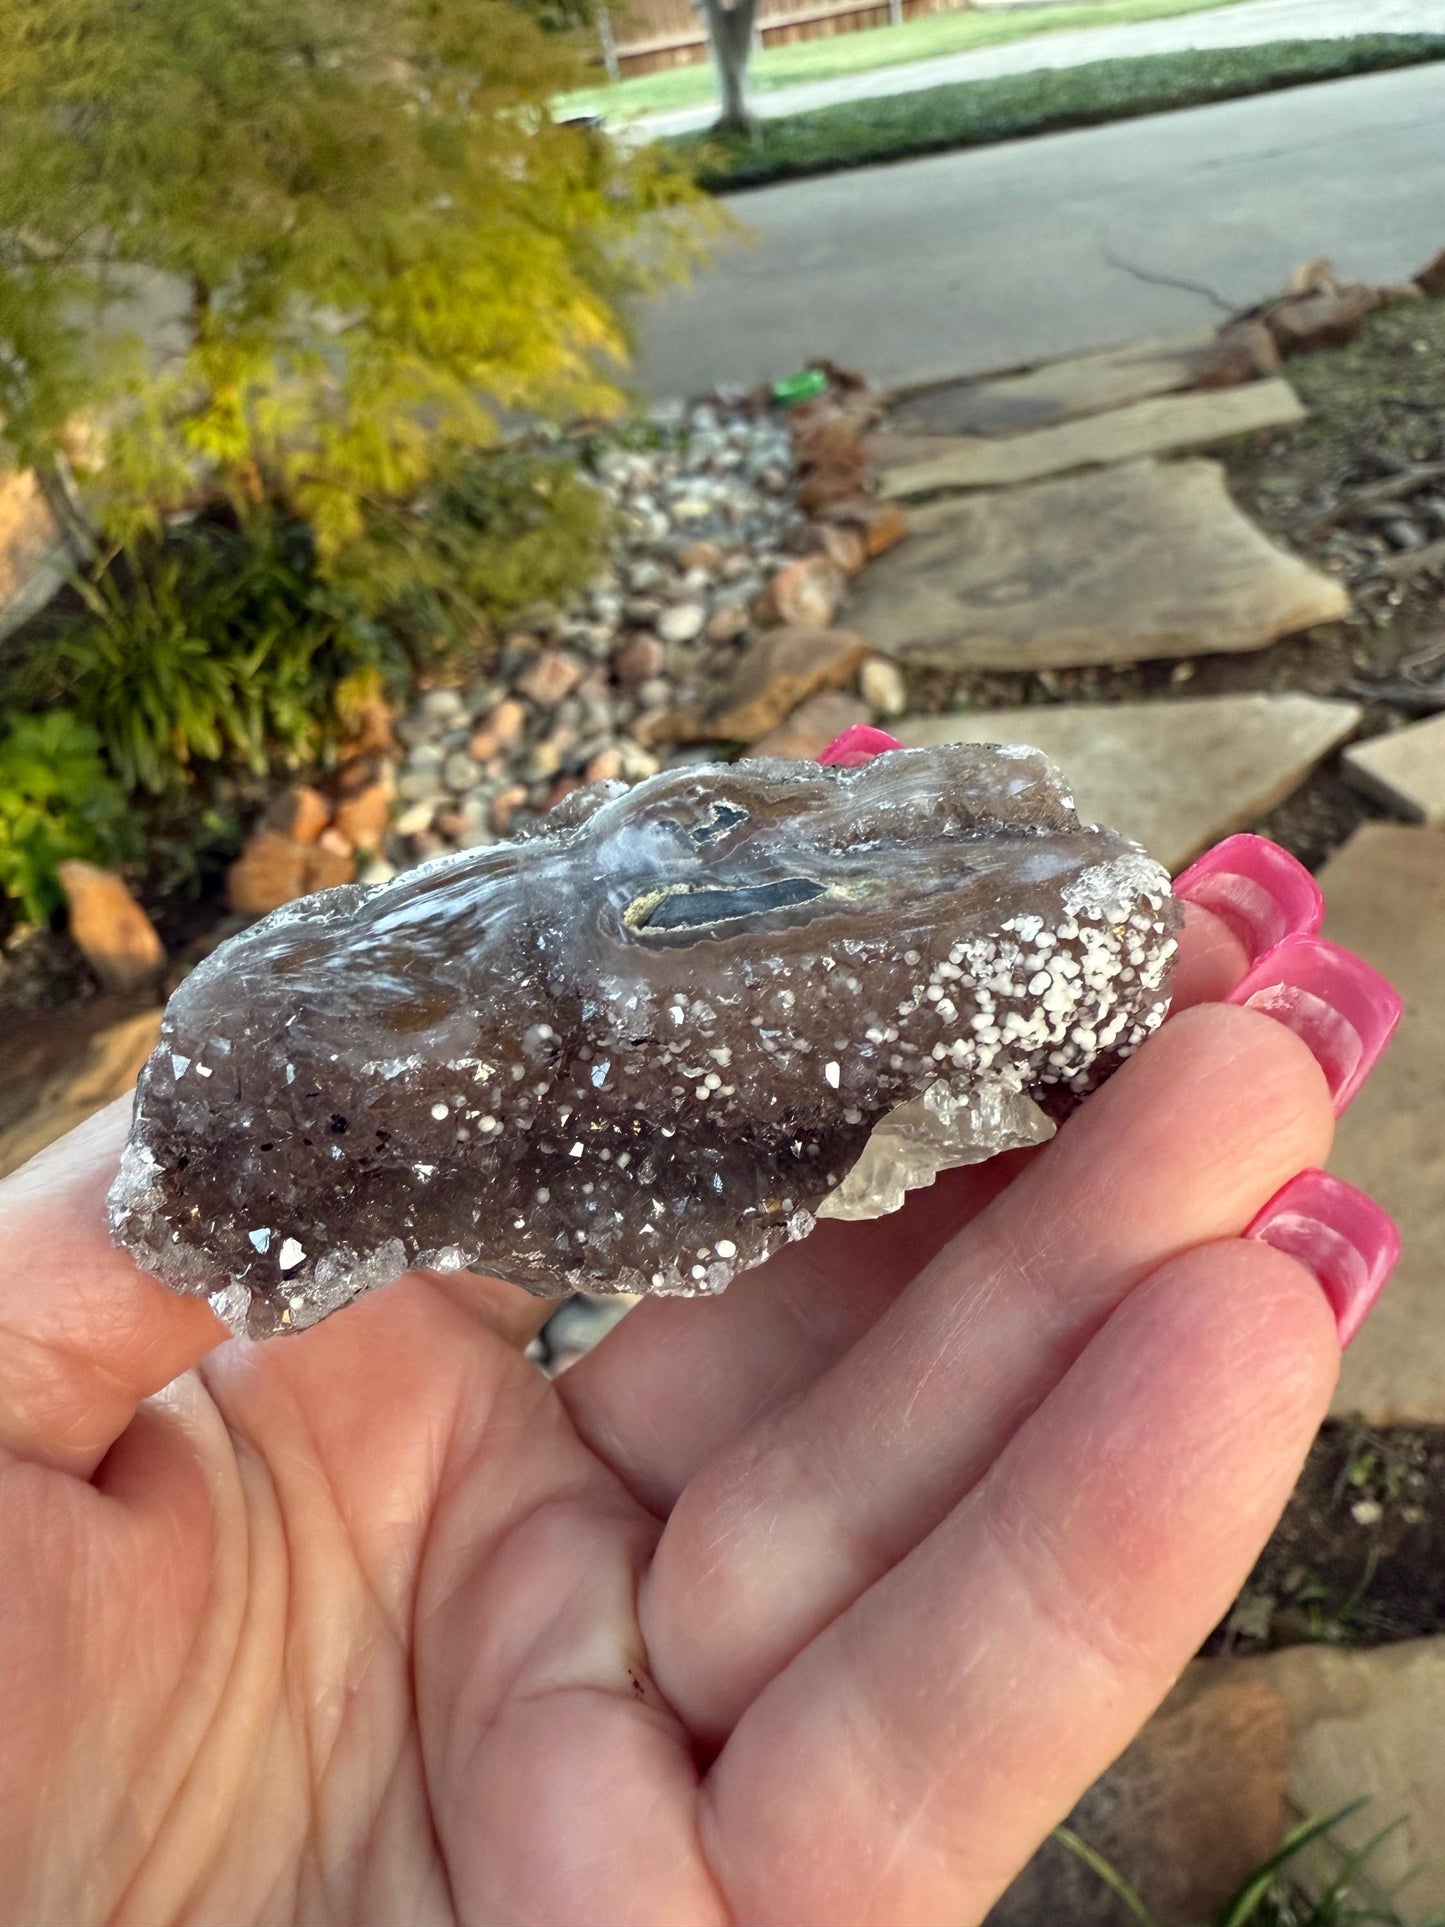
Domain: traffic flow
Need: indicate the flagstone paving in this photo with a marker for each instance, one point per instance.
(1241, 1751)
(1161, 426)
(1386, 895)
(1185, 1815)
(1405, 771)
(67, 1065)
(1058, 391)
(1369, 1723)
(1139, 561)
(1175, 775)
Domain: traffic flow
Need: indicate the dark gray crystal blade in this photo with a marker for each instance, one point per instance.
(637, 1048)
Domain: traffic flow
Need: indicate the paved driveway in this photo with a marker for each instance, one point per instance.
(1000, 255)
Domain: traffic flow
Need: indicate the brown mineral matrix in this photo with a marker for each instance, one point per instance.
(636, 1049)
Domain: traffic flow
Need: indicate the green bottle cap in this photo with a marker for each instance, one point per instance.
(806, 385)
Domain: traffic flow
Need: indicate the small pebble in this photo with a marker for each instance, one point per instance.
(881, 685)
(443, 706)
(655, 693)
(553, 676)
(682, 624)
(505, 807)
(638, 658)
(606, 766)
(413, 821)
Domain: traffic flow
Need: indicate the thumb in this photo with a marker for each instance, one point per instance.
(84, 1333)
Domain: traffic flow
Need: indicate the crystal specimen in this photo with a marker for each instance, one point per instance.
(636, 1049)
(952, 1124)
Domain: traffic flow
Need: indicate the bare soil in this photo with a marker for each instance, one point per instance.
(1359, 1557)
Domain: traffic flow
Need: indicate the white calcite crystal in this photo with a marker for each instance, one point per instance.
(949, 1126)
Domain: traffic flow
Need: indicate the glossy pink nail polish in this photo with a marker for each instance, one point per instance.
(1343, 1010)
(1258, 890)
(1348, 1241)
(860, 744)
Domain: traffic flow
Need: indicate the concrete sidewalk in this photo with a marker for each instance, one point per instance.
(1251, 23)
(993, 257)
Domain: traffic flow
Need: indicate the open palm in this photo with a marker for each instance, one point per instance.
(819, 1603)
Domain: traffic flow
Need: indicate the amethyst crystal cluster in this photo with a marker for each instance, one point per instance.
(640, 1047)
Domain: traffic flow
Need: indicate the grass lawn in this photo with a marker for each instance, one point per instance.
(976, 112)
(856, 53)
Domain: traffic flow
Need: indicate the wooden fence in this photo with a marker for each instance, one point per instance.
(643, 36)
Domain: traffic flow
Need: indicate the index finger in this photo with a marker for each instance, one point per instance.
(85, 1334)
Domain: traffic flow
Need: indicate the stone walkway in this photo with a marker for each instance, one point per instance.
(1124, 564)
(1178, 776)
(1386, 897)
(1248, 25)
(1242, 1750)
(1159, 426)
(67, 1065)
(1125, 560)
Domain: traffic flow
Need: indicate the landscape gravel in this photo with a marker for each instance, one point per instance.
(703, 519)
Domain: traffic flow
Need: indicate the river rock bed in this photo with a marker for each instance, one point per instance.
(704, 521)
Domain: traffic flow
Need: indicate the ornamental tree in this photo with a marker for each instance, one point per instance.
(306, 250)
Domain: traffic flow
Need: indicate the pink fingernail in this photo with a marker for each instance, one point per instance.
(1348, 1241)
(1258, 890)
(859, 744)
(1343, 1010)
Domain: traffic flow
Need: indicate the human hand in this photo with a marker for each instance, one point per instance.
(817, 1603)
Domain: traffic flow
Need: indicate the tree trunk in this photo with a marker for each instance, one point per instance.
(56, 481)
(730, 30)
(609, 44)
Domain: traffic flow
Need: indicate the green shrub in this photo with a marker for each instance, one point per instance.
(57, 800)
(226, 647)
(495, 533)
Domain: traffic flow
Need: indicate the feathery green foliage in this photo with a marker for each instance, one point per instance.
(306, 250)
(493, 534)
(308, 263)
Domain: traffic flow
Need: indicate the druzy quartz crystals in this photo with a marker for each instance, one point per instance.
(639, 1048)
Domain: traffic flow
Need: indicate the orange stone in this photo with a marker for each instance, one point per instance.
(112, 932)
(363, 817)
(270, 871)
(300, 812)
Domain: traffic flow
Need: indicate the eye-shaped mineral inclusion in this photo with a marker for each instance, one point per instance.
(637, 1049)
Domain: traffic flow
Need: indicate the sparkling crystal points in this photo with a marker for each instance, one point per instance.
(638, 1048)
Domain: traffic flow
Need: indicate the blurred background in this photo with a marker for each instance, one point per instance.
(411, 414)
